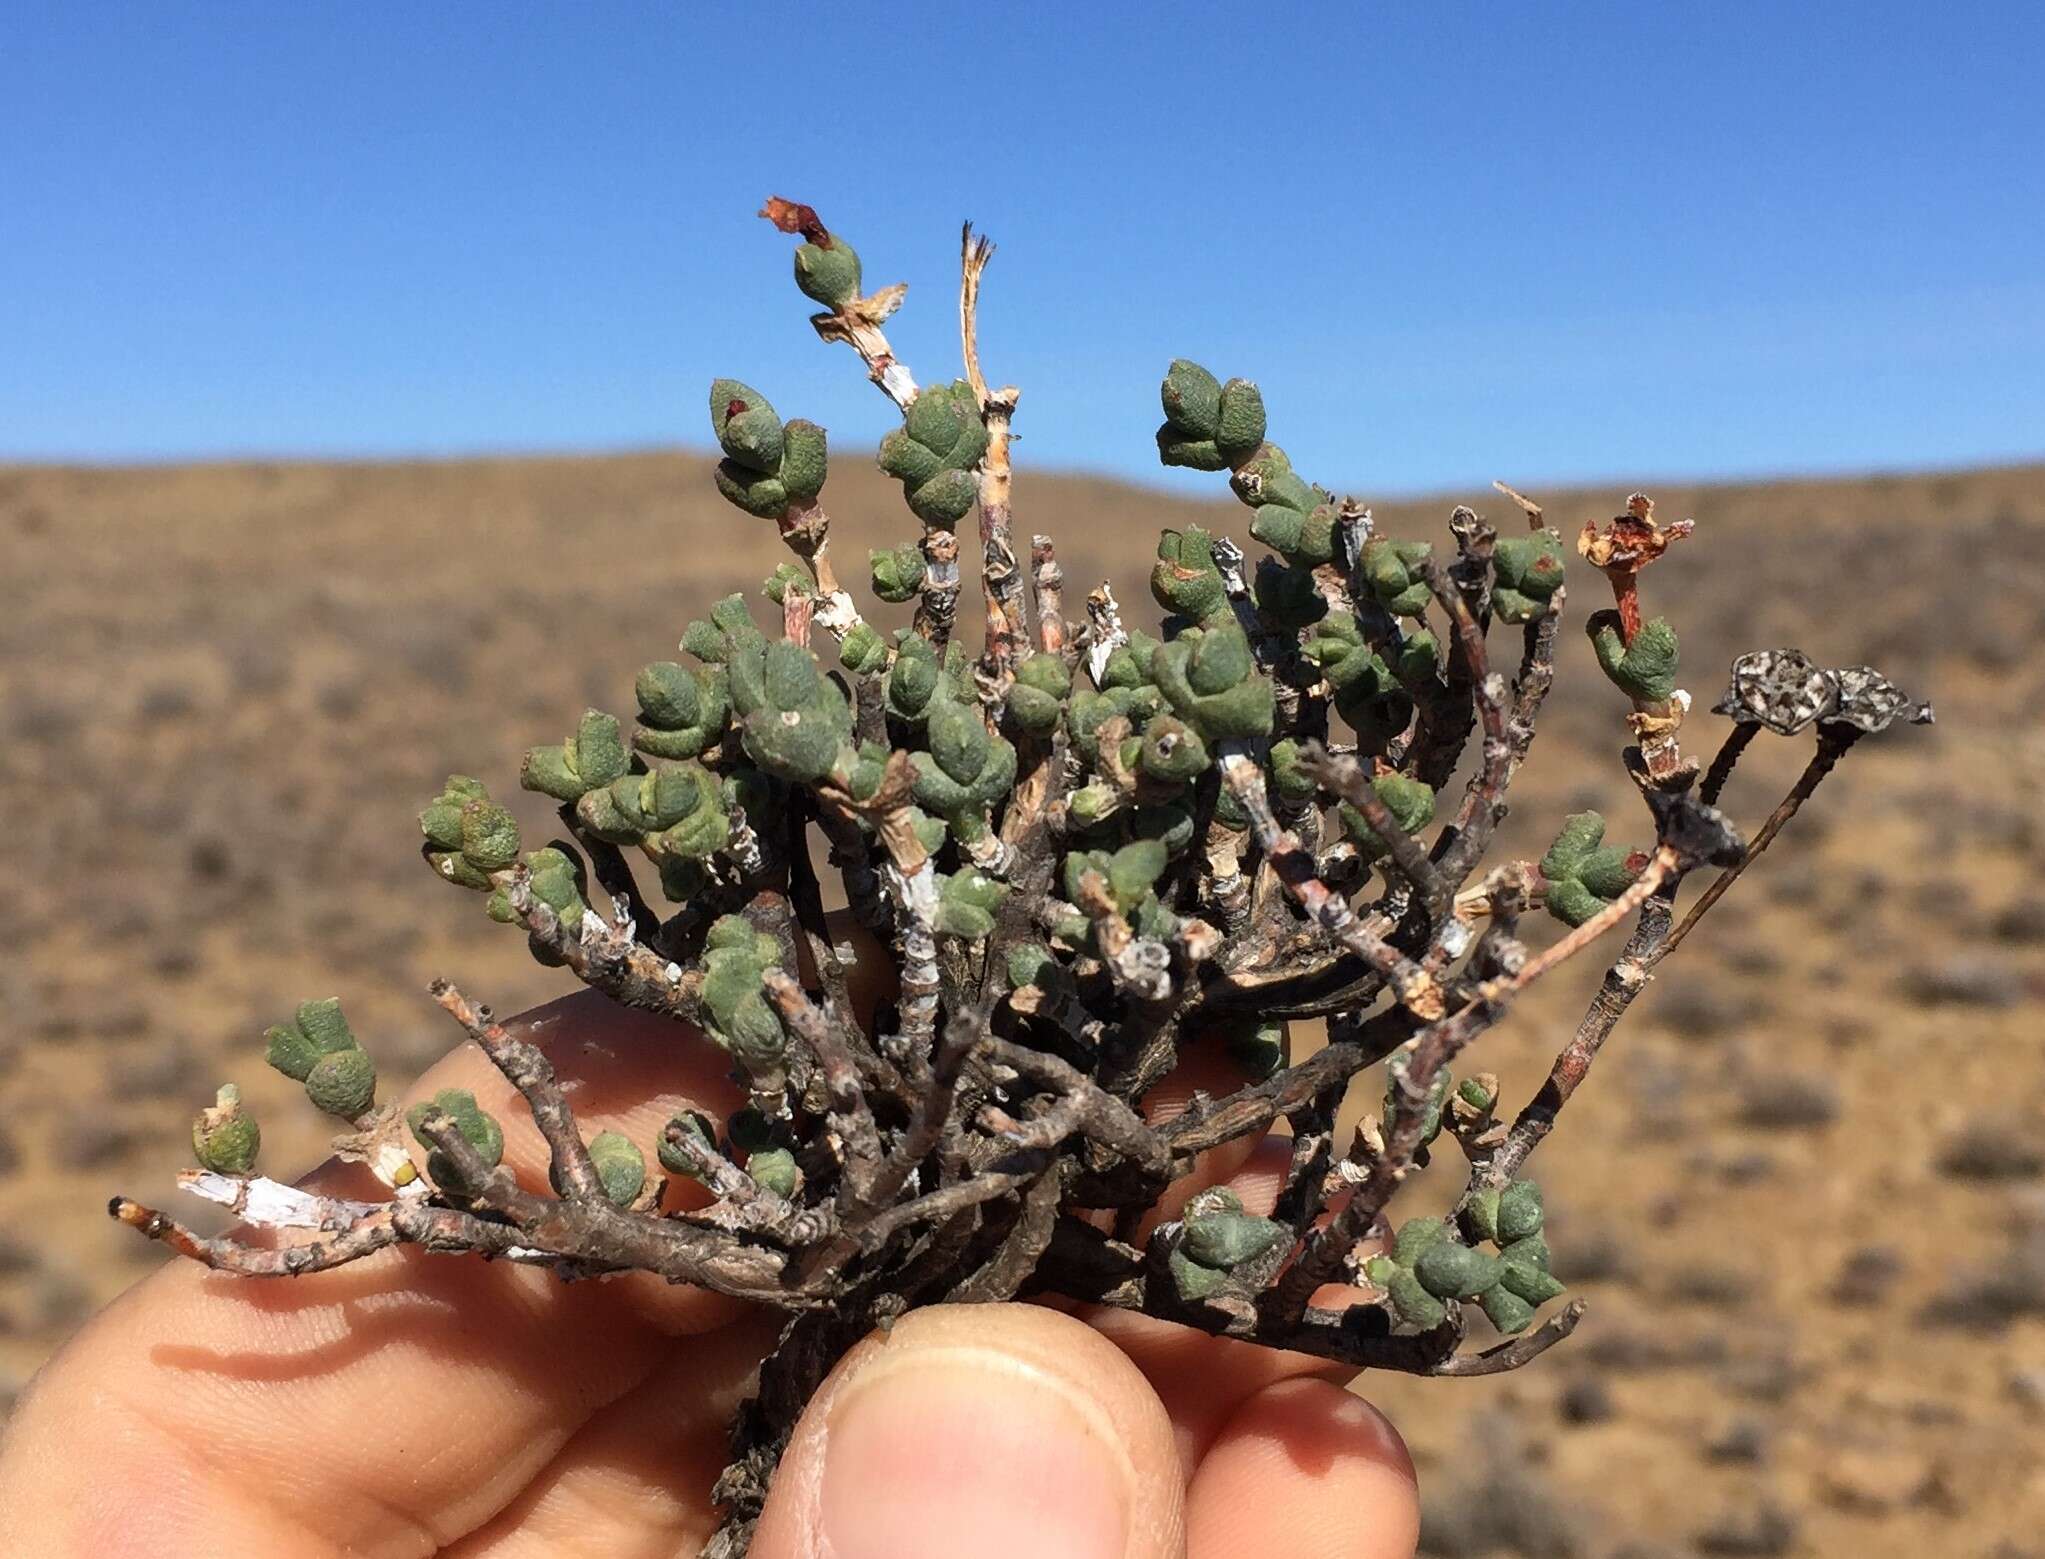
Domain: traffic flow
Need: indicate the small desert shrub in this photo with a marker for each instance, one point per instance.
(1963, 980)
(1759, 1531)
(1788, 1101)
(1995, 1148)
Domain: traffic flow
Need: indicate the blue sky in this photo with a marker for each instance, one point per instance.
(1451, 241)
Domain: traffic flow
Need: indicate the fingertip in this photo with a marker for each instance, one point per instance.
(1305, 1470)
(1000, 1430)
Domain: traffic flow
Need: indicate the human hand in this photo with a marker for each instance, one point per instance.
(413, 1404)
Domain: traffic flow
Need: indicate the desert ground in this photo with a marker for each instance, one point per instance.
(1804, 1191)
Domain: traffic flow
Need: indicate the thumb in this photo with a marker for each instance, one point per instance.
(996, 1430)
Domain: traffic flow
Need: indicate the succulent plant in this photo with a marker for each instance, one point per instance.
(1410, 803)
(769, 466)
(897, 574)
(965, 771)
(1644, 669)
(1037, 698)
(1089, 853)
(827, 269)
(1583, 873)
(478, 1128)
(1529, 572)
(933, 453)
(556, 880)
(735, 960)
(594, 756)
(343, 1083)
(319, 1030)
(1211, 682)
(1208, 425)
(682, 709)
(1216, 1238)
(225, 1136)
(1185, 580)
(1392, 569)
(468, 836)
(620, 1166)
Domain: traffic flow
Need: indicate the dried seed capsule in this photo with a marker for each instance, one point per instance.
(1781, 689)
(342, 1083)
(225, 1136)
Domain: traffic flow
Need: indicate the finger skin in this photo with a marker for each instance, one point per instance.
(635, 1482)
(385, 1407)
(997, 1430)
(1304, 1470)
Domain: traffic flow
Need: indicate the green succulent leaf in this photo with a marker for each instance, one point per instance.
(1644, 670)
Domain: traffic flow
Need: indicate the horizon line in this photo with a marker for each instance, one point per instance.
(11, 462)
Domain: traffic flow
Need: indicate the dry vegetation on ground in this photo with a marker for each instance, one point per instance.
(1811, 1221)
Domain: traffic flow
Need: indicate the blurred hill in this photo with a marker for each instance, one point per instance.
(1805, 1190)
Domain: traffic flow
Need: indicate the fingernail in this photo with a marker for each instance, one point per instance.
(960, 1450)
